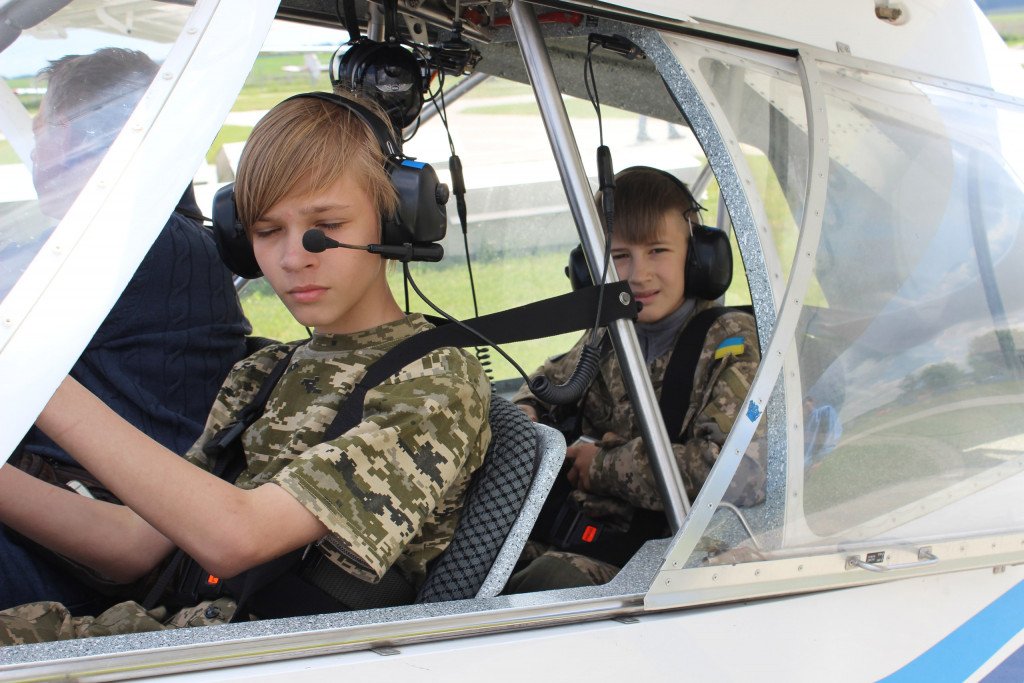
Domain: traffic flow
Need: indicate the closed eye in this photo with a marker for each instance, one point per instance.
(262, 233)
(328, 226)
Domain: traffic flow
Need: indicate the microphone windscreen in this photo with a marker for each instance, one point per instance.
(314, 241)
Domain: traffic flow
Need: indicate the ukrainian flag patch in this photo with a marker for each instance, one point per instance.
(733, 346)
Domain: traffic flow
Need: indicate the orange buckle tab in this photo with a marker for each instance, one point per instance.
(212, 580)
(589, 532)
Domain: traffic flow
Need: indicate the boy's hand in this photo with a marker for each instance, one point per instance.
(581, 455)
(529, 410)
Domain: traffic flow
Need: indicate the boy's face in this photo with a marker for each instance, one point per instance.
(655, 271)
(339, 290)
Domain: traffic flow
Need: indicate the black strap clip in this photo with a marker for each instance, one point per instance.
(220, 441)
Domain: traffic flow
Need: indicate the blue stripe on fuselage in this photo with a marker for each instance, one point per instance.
(966, 649)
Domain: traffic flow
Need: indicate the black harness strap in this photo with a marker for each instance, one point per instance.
(225, 448)
(557, 315)
(677, 385)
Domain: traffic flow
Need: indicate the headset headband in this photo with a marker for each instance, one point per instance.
(381, 130)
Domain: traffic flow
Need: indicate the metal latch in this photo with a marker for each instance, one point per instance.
(873, 562)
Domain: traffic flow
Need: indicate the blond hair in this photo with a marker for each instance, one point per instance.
(309, 143)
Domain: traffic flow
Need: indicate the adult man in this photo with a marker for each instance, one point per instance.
(173, 335)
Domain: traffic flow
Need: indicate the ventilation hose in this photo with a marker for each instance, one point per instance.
(572, 390)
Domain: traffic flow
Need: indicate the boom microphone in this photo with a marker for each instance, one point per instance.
(316, 241)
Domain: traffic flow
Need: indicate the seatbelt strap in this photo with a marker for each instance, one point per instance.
(677, 385)
(557, 315)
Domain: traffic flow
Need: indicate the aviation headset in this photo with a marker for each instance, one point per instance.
(387, 73)
(708, 255)
(419, 219)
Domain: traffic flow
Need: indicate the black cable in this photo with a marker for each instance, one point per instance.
(481, 337)
(405, 284)
(605, 175)
(459, 190)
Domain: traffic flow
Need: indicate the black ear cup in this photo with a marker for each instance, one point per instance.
(708, 263)
(233, 244)
(577, 271)
(387, 73)
(421, 216)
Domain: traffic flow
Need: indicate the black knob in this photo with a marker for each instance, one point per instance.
(441, 194)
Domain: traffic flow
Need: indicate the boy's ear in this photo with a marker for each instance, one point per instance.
(708, 263)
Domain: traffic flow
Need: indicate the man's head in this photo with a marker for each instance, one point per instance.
(654, 215)
(88, 99)
(305, 145)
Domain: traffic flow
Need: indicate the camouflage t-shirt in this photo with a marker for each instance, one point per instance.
(620, 475)
(390, 489)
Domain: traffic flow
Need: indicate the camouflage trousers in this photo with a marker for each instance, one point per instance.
(548, 569)
(40, 622)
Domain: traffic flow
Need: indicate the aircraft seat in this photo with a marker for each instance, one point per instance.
(504, 499)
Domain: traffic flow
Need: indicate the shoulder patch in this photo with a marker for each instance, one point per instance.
(733, 346)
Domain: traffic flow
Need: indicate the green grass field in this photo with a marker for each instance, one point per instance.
(1010, 26)
(500, 284)
(902, 453)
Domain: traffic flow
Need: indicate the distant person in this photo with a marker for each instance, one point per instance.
(643, 136)
(614, 488)
(164, 349)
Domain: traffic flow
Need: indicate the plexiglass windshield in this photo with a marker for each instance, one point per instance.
(56, 131)
(906, 400)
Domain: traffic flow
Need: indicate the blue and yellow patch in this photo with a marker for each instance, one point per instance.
(733, 346)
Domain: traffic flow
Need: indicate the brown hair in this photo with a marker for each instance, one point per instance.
(643, 196)
(311, 142)
(96, 93)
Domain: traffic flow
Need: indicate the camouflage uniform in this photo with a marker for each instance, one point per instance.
(620, 475)
(389, 490)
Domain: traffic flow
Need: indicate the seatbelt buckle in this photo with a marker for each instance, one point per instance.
(576, 530)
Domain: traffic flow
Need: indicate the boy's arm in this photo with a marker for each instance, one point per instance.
(110, 538)
(624, 470)
(224, 528)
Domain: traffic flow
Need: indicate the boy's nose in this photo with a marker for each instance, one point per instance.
(639, 270)
(295, 256)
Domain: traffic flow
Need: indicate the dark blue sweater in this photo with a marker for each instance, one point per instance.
(168, 343)
(158, 359)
